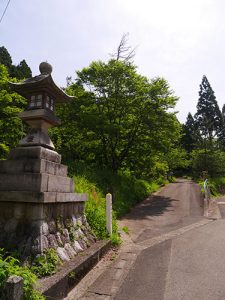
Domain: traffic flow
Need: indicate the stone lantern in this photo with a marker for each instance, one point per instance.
(42, 95)
(38, 206)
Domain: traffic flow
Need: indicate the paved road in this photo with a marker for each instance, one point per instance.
(171, 253)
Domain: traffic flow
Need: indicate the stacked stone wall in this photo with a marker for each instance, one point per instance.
(31, 228)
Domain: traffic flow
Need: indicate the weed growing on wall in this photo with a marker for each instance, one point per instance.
(46, 264)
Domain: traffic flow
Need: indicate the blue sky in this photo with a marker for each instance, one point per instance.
(179, 40)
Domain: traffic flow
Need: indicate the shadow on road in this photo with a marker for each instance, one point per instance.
(152, 206)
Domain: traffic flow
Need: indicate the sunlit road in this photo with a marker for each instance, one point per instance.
(171, 252)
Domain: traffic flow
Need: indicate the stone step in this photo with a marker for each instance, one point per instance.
(32, 166)
(35, 182)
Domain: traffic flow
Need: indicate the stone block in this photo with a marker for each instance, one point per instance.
(36, 183)
(60, 184)
(36, 152)
(71, 197)
(32, 166)
(52, 241)
(62, 254)
(69, 250)
(44, 228)
(14, 288)
(42, 197)
(24, 182)
(20, 166)
(77, 247)
(52, 226)
(61, 170)
(59, 238)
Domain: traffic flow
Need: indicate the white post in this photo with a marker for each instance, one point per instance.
(109, 213)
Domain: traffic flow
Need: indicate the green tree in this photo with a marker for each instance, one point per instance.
(118, 118)
(208, 116)
(5, 58)
(212, 162)
(21, 71)
(221, 135)
(191, 136)
(11, 129)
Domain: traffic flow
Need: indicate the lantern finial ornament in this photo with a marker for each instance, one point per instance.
(45, 68)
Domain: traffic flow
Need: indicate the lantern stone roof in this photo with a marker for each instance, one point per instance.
(41, 83)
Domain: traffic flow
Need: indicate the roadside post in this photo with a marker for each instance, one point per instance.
(109, 213)
(206, 198)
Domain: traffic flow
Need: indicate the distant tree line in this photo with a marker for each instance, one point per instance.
(204, 133)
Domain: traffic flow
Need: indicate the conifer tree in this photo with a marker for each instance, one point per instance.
(221, 135)
(21, 71)
(5, 58)
(191, 135)
(208, 116)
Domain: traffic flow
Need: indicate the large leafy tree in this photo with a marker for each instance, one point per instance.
(11, 128)
(208, 116)
(118, 119)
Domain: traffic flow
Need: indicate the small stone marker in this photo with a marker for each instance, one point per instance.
(109, 213)
(14, 288)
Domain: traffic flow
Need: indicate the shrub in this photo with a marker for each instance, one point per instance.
(95, 208)
(46, 264)
(11, 266)
(213, 162)
(4, 150)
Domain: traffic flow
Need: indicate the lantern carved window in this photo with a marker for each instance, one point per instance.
(41, 101)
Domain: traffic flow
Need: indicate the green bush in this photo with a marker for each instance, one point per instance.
(4, 150)
(95, 208)
(212, 162)
(46, 264)
(11, 266)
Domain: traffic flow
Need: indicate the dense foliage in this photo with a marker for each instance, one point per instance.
(11, 127)
(119, 120)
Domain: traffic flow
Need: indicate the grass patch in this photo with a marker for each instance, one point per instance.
(125, 188)
(216, 185)
(125, 229)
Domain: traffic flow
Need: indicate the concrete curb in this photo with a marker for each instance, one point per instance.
(211, 209)
(58, 285)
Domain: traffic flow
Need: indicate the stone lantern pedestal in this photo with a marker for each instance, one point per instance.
(38, 206)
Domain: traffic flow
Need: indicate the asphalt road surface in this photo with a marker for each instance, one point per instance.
(171, 253)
